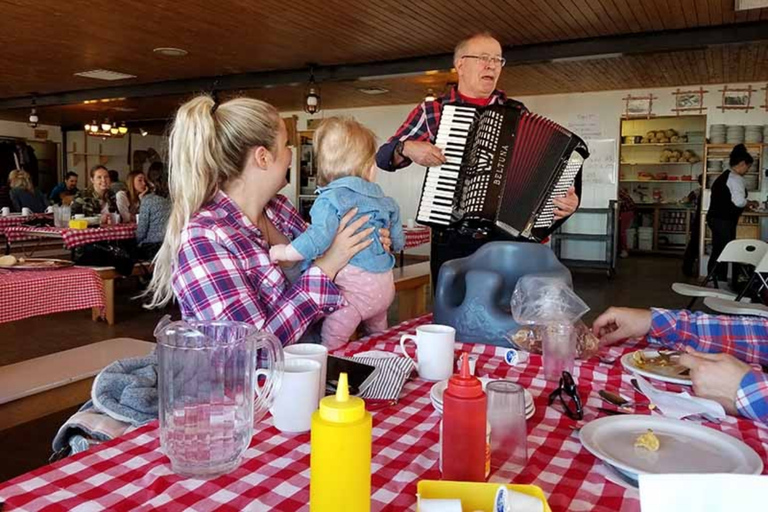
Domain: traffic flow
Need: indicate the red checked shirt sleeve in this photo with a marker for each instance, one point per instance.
(752, 396)
(745, 337)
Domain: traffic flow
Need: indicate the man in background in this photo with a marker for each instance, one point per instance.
(64, 191)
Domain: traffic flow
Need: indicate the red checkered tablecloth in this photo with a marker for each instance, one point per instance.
(27, 293)
(131, 473)
(416, 236)
(17, 220)
(73, 237)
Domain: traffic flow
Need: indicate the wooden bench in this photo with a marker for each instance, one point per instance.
(44, 385)
(411, 285)
(108, 276)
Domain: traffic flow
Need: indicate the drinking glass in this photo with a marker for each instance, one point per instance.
(558, 347)
(506, 414)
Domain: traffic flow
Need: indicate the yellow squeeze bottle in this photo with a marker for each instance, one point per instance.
(340, 454)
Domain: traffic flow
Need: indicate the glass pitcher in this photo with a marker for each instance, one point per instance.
(207, 377)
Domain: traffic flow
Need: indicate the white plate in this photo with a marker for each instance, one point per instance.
(629, 364)
(686, 447)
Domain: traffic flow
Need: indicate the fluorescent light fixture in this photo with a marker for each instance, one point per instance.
(745, 5)
(393, 75)
(105, 74)
(373, 91)
(579, 58)
(170, 52)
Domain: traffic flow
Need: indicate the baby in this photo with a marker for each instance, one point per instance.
(346, 170)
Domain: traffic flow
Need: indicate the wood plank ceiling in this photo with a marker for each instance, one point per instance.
(45, 42)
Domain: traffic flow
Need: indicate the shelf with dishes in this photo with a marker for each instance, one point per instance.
(658, 181)
(664, 144)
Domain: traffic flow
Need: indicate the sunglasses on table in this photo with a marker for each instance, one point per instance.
(568, 394)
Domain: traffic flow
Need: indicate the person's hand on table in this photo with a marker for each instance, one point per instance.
(423, 153)
(346, 244)
(616, 324)
(385, 239)
(715, 376)
(566, 205)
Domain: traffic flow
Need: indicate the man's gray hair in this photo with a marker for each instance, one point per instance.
(461, 47)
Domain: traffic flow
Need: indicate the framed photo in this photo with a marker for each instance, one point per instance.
(689, 101)
(638, 106)
(737, 99)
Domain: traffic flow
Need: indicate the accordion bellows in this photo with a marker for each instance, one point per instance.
(504, 167)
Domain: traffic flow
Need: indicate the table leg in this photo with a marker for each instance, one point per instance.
(402, 258)
(109, 303)
(412, 303)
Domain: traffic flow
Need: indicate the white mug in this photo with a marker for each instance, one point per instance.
(297, 398)
(434, 350)
(314, 352)
(26, 211)
(6, 211)
(410, 224)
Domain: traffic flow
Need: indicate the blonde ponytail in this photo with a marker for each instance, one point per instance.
(207, 147)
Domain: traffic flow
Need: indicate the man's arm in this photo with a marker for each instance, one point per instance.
(415, 128)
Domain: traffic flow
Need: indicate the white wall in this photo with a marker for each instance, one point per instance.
(606, 107)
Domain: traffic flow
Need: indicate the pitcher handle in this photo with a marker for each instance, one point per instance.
(274, 353)
(403, 339)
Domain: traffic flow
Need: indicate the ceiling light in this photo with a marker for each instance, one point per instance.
(170, 52)
(579, 58)
(430, 95)
(105, 126)
(105, 74)
(114, 130)
(745, 5)
(33, 119)
(373, 91)
(143, 132)
(94, 126)
(312, 95)
(87, 127)
(123, 129)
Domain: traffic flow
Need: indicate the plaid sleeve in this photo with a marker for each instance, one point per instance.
(416, 127)
(289, 215)
(745, 337)
(752, 396)
(212, 284)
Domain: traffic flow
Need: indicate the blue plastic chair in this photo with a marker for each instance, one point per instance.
(473, 293)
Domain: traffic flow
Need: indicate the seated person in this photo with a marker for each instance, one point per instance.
(64, 191)
(25, 195)
(128, 200)
(346, 170)
(710, 343)
(97, 199)
(152, 218)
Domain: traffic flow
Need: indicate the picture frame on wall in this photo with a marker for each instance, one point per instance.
(691, 101)
(737, 99)
(638, 106)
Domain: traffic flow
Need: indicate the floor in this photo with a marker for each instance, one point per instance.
(639, 282)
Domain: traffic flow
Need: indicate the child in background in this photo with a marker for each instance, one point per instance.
(345, 154)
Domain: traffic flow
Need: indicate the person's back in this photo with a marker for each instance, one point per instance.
(153, 219)
(721, 204)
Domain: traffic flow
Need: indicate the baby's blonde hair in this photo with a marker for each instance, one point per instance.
(343, 147)
(207, 147)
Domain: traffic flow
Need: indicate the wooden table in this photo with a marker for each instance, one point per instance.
(411, 285)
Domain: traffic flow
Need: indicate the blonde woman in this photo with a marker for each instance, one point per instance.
(226, 163)
(128, 200)
(345, 153)
(24, 194)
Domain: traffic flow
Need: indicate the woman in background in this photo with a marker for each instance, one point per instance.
(128, 200)
(25, 195)
(97, 199)
(152, 218)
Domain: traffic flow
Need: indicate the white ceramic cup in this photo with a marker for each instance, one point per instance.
(410, 224)
(297, 398)
(6, 211)
(434, 350)
(26, 211)
(314, 352)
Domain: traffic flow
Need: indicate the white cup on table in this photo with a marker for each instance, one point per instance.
(410, 224)
(297, 398)
(26, 211)
(434, 350)
(314, 352)
(6, 211)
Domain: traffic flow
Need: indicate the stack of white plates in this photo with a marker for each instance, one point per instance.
(751, 181)
(765, 132)
(734, 134)
(717, 133)
(753, 134)
(714, 165)
(436, 396)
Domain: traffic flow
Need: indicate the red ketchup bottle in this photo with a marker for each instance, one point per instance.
(464, 428)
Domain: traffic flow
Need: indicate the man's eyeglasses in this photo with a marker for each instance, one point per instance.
(487, 59)
(568, 394)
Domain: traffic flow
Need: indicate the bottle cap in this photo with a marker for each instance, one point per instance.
(342, 408)
(464, 384)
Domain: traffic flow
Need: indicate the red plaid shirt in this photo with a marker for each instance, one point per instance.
(224, 272)
(422, 124)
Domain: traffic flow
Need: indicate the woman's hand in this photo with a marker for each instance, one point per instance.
(385, 240)
(346, 244)
(620, 323)
(715, 376)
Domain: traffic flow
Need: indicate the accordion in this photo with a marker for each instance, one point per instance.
(504, 165)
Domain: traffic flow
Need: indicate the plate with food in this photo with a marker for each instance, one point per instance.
(663, 365)
(11, 262)
(642, 444)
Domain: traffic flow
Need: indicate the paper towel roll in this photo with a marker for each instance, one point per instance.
(439, 505)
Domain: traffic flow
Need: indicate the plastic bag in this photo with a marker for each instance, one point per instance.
(529, 338)
(539, 300)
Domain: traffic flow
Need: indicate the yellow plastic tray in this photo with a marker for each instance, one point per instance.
(473, 495)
